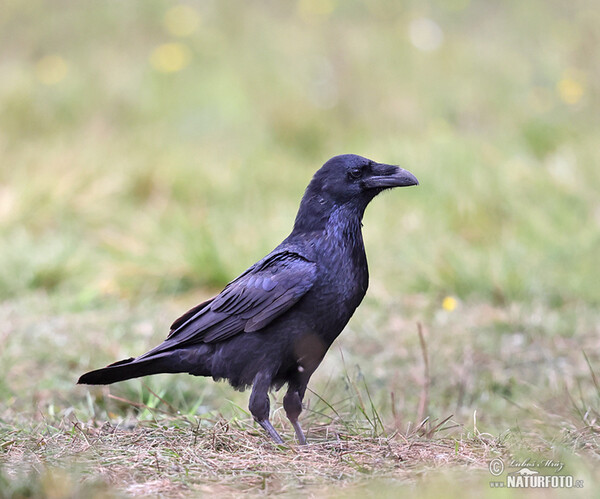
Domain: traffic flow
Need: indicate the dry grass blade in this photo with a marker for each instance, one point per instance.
(138, 404)
(592, 373)
(424, 396)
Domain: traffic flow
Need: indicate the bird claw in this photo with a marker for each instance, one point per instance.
(299, 433)
(268, 427)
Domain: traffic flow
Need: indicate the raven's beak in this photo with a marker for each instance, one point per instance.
(387, 176)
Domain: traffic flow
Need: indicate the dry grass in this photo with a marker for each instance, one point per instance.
(175, 458)
(514, 378)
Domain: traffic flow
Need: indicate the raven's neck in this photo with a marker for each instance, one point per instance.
(318, 214)
(340, 226)
(344, 226)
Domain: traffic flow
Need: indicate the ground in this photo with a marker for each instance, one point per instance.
(424, 416)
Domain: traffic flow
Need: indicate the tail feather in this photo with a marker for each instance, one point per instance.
(165, 362)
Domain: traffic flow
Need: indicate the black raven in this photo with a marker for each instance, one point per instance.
(273, 324)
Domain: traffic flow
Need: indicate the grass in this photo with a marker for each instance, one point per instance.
(149, 155)
(228, 457)
(502, 381)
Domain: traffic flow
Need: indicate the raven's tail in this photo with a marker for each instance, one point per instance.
(193, 361)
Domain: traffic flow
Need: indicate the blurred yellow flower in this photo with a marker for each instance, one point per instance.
(108, 286)
(51, 69)
(182, 20)
(315, 10)
(570, 89)
(449, 303)
(170, 57)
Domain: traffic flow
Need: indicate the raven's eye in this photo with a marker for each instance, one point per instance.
(355, 173)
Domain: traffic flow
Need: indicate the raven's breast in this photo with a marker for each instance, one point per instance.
(343, 278)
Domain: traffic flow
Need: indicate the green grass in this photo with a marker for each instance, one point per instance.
(128, 194)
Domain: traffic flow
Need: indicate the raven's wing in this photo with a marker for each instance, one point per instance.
(188, 315)
(248, 303)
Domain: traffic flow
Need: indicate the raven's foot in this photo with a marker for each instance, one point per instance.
(299, 433)
(292, 403)
(266, 424)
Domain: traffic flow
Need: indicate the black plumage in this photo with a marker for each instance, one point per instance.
(273, 324)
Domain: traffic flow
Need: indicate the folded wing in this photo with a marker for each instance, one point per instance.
(250, 302)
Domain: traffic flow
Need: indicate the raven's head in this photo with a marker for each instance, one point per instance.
(351, 181)
(350, 177)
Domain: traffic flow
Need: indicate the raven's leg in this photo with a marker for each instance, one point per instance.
(259, 405)
(292, 403)
(293, 407)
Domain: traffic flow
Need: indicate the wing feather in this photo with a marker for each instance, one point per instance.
(248, 303)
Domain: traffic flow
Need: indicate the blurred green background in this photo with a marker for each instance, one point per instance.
(151, 150)
(155, 147)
